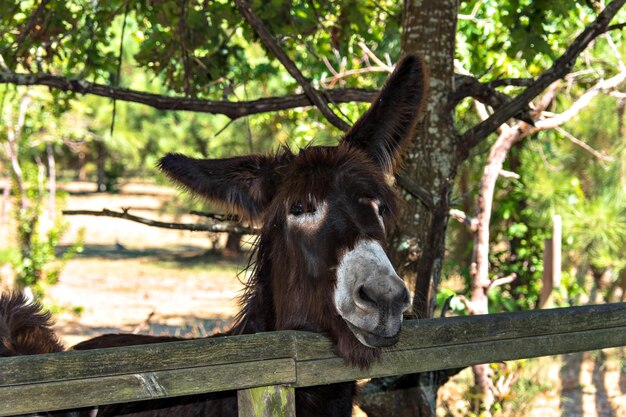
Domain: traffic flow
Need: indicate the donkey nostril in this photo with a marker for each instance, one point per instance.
(363, 296)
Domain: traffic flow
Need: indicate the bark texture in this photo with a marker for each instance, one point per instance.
(429, 29)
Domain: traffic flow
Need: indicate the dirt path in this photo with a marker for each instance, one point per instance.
(132, 277)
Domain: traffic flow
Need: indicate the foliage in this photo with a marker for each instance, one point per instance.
(501, 32)
(38, 264)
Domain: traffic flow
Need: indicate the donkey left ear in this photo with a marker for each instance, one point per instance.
(244, 184)
(387, 125)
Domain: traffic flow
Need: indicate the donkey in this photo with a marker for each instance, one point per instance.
(320, 260)
(26, 330)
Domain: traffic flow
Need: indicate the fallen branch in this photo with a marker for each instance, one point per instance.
(217, 228)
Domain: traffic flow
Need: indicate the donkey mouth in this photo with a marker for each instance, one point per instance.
(373, 340)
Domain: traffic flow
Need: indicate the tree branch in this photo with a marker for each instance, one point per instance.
(582, 102)
(502, 281)
(413, 188)
(232, 109)
(270, 43)
(461, 217)
(617, 26)
(468, 86)
(218, 228)
(511, 82)
(558, 70)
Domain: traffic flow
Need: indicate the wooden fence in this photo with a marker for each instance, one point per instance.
(276, 363)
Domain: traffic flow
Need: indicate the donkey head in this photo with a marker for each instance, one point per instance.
(321, 262)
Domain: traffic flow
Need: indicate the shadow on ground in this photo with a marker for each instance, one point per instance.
(186, 255)
(588, 388)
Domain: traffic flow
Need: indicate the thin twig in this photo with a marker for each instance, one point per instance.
(461, 217)
(373, 57)
(509, 174)
(348, 73)
(601, 156)
(616, 52)
(217, 216)
(502, 281)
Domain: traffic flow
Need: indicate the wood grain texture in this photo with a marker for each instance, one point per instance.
(144, 358)
(74, 393)
(299, 359)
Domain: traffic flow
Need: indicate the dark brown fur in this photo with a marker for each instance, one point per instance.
(25, 329)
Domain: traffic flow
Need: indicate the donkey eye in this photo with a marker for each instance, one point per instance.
(382, 210)
(297, 208)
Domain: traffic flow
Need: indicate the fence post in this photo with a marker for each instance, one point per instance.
(270, 401)
(551, 263)
(556, 250)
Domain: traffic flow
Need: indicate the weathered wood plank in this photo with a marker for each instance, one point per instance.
(398, 362)
(144, 358)
(456, 330)
(270, 401)
(76, 379)
(415, 334)
(31, 398)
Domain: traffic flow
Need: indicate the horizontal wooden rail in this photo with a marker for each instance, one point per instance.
(105, 376)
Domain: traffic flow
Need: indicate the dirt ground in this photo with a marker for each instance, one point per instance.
(131, 277)
(135, 278)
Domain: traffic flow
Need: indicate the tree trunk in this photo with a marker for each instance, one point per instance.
(6, 196)
(233, 245)
(431, 161)
(82, 166)
(429, 29)
(100, 161)
(52, 182)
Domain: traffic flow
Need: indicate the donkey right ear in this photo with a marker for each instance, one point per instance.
(386, 126)
(243, 184)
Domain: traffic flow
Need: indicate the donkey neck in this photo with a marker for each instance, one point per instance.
(256, 312)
